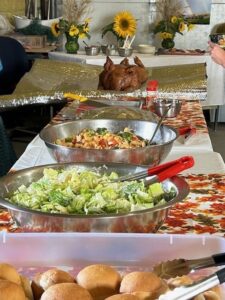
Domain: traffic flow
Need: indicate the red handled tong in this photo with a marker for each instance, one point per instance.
(161, 172)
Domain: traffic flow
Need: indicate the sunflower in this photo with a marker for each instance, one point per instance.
(166, 35)
(124, 24)
(82, 35)
(55, 29)
(86, 28)
(73, 30)
(191, 26)
(174, 20)
(182, 26)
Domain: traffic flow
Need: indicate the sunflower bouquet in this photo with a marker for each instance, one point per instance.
(124, 25)
(71, 28)
(168, 29)
(71, 25)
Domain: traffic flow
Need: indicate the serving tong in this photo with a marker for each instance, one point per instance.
(189, 291)
(161, 172)
(180, 267)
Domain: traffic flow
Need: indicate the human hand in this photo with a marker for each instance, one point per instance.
(217, 54)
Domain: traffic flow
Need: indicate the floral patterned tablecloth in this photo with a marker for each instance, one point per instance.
(190, 114)
(203, 211)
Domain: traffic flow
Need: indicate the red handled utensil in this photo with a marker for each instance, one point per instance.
(187, 132)
(161, 172)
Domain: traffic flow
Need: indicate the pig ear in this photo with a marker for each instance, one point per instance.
(109, 63)
(138, 62)
(125, 62)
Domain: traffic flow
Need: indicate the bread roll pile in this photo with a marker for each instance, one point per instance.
(13, 286)
(94, 282)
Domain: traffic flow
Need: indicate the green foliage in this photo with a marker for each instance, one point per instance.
(109, 28)
(198, 19)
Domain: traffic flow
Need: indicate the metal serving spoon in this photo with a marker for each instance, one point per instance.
(159, 124)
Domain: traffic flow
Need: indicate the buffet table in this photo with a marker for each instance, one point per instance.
(202, 210)
(215, 73)
(190, 115)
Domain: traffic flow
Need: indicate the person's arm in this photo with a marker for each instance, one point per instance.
(217, 54)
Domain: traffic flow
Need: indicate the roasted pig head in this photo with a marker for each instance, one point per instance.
(123, 76)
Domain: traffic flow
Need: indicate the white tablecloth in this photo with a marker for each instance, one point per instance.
(215, 73)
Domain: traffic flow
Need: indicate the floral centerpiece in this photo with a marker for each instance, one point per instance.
(170, 13)
(169, 28)
(71, 24)
(124, 25)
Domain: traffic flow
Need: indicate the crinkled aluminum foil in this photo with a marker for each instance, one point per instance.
(48, 80)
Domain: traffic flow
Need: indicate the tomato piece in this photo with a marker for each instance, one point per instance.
(102, 143)
(112, 142)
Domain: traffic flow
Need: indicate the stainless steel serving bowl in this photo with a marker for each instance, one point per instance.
(150, 155)
(111, 50)
(148, 220)
(125, 52)
(92, 50)
(161, 106)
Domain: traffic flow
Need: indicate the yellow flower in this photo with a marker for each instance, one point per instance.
(182, 27)
(191, 26)
(174, 19)
(86, 29)
(55, 29)
(166, 35)
(87, 21)
(73, 30)
(124, 24)
(82, 35)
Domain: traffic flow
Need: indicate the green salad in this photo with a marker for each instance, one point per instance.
(75, 191)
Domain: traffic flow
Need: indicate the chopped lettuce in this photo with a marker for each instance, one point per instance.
(75, 191)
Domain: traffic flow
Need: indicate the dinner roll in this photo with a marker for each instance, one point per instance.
(66, 291)
(178, 281)
(36, 288)
(101, 281)
(122, 297)
(11, 291)
(54, 276)
(25, 283)
(208, 295)
(143, 282)
(8, 272)
(144, 295)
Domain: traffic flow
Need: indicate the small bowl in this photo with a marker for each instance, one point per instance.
(111, 50)
(92, 50)
(218, 38)
(103, 48)
(161, 105)
(125, 52)
(146, 49)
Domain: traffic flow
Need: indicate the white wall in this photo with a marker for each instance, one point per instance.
(104, 11)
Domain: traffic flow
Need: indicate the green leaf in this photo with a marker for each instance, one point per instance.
(107, 28)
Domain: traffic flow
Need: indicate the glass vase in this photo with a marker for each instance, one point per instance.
(168, 43)
(71, 45)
